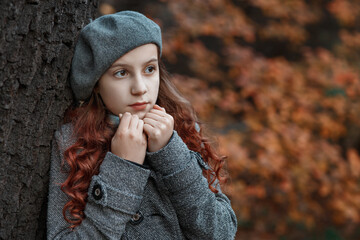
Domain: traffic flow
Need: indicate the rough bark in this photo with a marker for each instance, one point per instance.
(36, 47)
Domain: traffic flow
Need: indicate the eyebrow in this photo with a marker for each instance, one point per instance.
(127, 65)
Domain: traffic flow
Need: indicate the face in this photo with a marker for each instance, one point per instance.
(131, 84)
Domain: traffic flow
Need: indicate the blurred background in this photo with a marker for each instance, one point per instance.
(277, 83)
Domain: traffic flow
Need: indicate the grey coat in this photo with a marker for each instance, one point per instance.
(168, 200)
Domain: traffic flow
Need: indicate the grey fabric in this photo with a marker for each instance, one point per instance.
(103, 41)
(171, 200)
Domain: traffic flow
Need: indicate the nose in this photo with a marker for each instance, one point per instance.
(138, 86)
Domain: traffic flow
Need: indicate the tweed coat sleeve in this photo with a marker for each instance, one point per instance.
(202, 214)
(112, 199)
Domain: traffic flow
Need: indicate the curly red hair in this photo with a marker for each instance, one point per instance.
(93, 135)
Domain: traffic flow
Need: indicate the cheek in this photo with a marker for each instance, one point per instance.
(155, 89)
(105, 92)
(111, 94)
(156, 83)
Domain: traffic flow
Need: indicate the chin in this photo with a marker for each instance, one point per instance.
(141, 115)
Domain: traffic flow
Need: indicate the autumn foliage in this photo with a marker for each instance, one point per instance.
(278, 82)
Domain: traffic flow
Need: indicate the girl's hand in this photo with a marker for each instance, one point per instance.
(158, 126)
(129, 141)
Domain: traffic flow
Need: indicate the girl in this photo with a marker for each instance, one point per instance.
(131, 161)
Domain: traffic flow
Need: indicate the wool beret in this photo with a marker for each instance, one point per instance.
(105, 40)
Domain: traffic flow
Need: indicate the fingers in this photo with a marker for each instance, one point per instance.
(152, 122)
(158, 112)
(134, 122)
(154, 127)
(124, 123)
(140, 126)
(158, 126)
(154, 116)
(157, 120)
(130, 122)
(130, 142)
(150, 130)
(159, 108)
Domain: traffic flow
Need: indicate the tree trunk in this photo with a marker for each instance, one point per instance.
(36, 47)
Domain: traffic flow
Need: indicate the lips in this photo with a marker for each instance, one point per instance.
(139, 106)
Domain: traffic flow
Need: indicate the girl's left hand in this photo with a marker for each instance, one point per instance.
(158, 126)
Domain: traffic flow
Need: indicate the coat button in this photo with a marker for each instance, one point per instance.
(136, 218)
(97, 192)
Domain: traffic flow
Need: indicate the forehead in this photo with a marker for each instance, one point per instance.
(140, 54)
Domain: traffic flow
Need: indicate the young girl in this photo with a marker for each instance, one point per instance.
(131, 161)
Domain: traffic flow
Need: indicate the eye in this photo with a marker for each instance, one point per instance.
(120, 74)
(150, 69)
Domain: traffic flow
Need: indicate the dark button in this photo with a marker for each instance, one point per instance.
(97, 192)
(136, 218)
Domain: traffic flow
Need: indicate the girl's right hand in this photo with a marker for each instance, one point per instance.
(129, 141)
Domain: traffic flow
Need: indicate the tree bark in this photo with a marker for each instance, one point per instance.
(36, 47)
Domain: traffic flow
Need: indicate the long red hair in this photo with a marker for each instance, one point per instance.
(93, 135)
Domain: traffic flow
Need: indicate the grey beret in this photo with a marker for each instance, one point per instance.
(103, 41)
